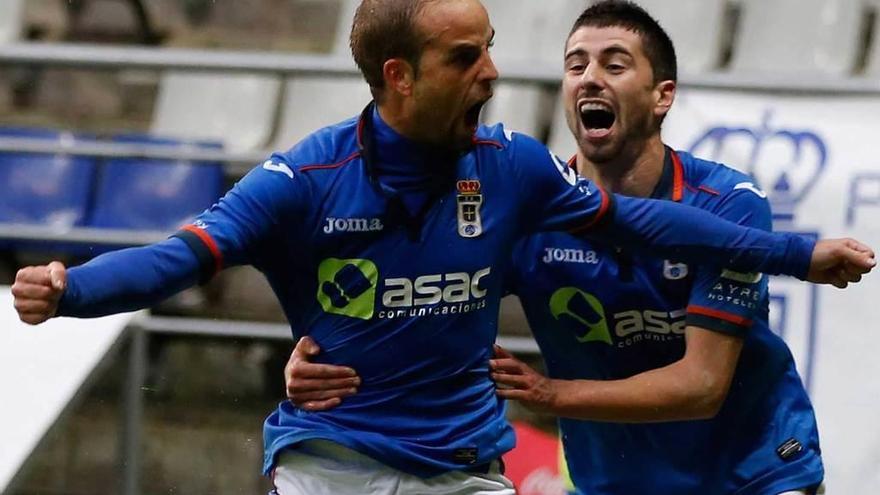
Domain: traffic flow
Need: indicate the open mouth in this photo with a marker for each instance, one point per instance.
(597, 118)
(472, 116)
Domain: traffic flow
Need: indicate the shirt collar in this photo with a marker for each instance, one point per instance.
(671, 183)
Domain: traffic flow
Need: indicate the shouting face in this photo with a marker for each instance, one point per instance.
(612, 102)
(455, 72)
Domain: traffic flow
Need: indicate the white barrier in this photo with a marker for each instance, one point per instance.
(41, 370)
(816, 157)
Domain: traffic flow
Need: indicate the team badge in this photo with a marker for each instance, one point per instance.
(674, 271)
(469, 201)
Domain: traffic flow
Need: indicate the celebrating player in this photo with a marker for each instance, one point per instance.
(630, 341)
(384, 237)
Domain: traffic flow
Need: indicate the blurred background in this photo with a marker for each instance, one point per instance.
(121, 119)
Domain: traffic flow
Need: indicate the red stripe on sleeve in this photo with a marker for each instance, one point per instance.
(721, 315)
(708, 190)
(209, 242)
(603, 209)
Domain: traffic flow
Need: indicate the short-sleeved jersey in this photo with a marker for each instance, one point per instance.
(601, 313)
(409, 301)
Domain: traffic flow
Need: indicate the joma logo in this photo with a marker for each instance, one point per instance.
(557, 255)
(352, 225)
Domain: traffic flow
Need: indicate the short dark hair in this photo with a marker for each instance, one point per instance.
(655, 42)
(382, 30)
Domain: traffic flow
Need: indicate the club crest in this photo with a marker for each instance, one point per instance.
(469, 200)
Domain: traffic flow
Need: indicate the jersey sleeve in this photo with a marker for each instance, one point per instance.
(689, 234)
(724, 300)
(232, 231)
(556, 198)
(128, 279)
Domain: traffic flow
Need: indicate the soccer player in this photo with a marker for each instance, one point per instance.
(639, 349)
(384, 238)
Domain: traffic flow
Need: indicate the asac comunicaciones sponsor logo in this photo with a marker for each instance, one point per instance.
(352, 288)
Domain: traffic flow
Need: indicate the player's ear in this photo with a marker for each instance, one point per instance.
(399, 76)
(664, 95)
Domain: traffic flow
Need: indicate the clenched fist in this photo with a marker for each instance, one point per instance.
(840, 262)
(37, 290)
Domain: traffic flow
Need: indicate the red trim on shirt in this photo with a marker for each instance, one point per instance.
(721, 315)
(489, 142)
(603, 209)
(709, 190)
(332, 165)
(677, 178)
(209, 242)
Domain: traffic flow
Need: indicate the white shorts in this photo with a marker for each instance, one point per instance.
(319, 467)
(820, 491)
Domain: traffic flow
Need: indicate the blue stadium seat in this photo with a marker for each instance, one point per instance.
(154, 194)
(44, 189)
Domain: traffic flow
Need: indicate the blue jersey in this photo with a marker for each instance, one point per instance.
(389, 254)
(603, 313)
(408, 298)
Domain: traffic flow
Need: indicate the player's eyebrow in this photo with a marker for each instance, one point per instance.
(607, 51)
(465, 53)
(577, 52)
(616, 50)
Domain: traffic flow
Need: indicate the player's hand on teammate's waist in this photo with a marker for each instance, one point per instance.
(840, 261)
(37, 290)
(316, 387)
(518, 381)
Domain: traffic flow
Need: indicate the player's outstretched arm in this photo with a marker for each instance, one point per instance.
(225, 235)
(693, 235)
(557, 199)
(316, 387)
(691, 388)
(115, 282)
